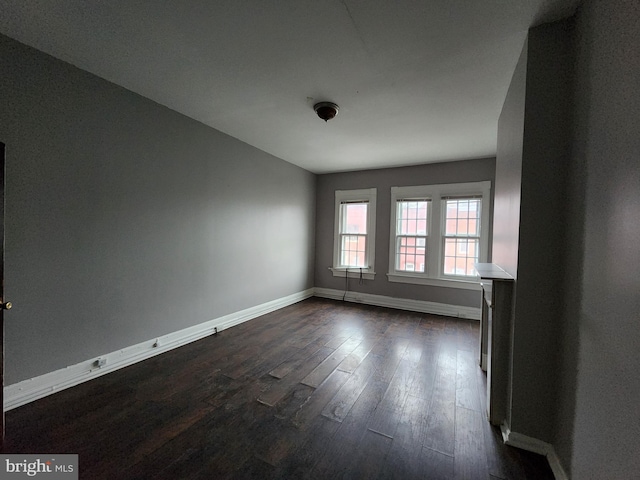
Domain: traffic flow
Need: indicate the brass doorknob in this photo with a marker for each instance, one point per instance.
(7, 306)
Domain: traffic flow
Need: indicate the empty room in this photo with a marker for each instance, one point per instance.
(335, 239)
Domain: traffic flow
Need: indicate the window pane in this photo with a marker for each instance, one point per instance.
(354, 218)
(473, 227)
(450, 247)
(449, 265)
(420, 259)
(470, 266)
(412, 217)
(451, 226)
(460, 256)
(353, 251)
(463, 227)
(409, 257)
(463, 217)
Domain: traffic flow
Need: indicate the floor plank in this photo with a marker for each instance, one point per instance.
(321, 396)
(338, 456)
(406, 459)
(301, 355)
(322, 371)
(466, 381)
(342, 402)
(280, 389)
(390, 408)
(441, 419)
(470, 462)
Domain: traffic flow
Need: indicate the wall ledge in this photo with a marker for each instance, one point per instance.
(534, 445)
(26, 391)
(421, 306)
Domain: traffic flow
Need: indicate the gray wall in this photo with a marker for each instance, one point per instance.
(506, 212)
(383, 180)
(575, 358)
(533, 144)
(126, 221)
(599, 412)
(542, 224)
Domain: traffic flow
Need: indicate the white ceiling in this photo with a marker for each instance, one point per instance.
(417, 81)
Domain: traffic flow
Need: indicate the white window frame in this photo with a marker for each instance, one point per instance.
(368, 195)
(434, 268)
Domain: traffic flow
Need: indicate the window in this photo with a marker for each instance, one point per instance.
(354, 243)
(438, 233)
(461, 235)
(353, 234)
(411, 234)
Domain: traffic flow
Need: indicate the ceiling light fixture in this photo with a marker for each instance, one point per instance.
(326, 110)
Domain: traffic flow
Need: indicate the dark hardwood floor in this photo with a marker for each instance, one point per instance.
(320, 389)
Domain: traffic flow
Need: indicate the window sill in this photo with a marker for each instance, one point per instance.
(353, 273)
(434, 282)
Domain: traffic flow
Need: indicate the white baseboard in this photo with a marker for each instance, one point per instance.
(401, 303)
(534, 445)
(38, 387)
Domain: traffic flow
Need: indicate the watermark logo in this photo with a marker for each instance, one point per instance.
(50, 467)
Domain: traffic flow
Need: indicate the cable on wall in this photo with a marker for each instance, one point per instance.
(346, 284)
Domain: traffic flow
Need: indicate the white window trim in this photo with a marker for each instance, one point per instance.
(433, 274)
(369, 195)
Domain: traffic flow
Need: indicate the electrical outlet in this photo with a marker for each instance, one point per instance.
(100, 362)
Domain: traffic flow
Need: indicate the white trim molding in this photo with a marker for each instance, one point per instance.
(434, 282)
(38, 387)
(421, 306)
(534, 445)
